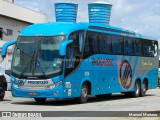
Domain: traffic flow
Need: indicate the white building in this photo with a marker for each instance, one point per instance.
(13, 18)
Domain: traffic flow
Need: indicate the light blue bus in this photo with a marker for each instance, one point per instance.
(75, 60)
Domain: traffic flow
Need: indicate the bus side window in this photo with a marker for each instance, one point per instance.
(128, 48)
(91, 44)
(147, 48)
(138, 47)
(97, 43)
(150, 48)
(117, 45)
(155, 44)
(126, 44)
(70, 57)
(105, 46)
(81, 37)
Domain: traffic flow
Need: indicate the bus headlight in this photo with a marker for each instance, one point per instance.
(14, 85)
(51, 86)
(58, 83)
(54, 85)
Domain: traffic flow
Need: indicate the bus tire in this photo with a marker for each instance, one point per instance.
(40, 100)
(143, 89)
(137, 89)
(84, 94)
(2, 91)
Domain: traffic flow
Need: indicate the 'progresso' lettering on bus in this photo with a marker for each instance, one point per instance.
(37, 82)
(102, 62)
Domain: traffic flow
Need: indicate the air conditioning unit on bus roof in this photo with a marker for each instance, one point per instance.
(99, 12)
(66, 12)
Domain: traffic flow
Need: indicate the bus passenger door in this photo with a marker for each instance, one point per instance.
(74, 52)
(73, 58)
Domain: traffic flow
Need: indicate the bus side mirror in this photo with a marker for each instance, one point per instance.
(63, 47)
(5, 46)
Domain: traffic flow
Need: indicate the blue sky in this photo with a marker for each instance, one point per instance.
(142, 16)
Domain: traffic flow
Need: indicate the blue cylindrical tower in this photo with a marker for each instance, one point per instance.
(99, 12)
(66, 12)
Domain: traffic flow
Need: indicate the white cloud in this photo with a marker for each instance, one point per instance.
(140, 16)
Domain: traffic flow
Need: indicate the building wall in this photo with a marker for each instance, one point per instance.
(11, 24)
(15, 26)
(13, 18)
(9, 1)
(18, 12)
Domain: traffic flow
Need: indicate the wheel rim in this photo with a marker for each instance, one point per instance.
(144, 88)
(84, 92)
(137, 89)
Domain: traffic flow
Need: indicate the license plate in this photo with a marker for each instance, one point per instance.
(32, 93)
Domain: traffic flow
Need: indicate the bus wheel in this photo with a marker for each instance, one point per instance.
(40, 100)
(84, 94)
(143, 89)
(137, 90)
(2, 91)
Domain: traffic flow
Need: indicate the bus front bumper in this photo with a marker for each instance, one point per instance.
(50, 93)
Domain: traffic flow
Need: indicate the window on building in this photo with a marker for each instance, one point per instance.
(9, 32)
(1, 34)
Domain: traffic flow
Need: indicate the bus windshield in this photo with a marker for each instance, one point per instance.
(37, 56)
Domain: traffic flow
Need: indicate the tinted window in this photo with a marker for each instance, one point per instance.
(128, 46)
(101, 43)
(91, 45)
(74, 49)
(149, 48)
(137, 47)
(105, 44)
(75, 37)
(117, 42)
(155, 48)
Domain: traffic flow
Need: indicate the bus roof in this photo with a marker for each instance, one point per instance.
(60, 28)
(49, 29)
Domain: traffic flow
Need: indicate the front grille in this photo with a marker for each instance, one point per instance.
(33, 88)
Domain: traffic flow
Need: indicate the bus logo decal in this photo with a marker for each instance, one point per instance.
(125, 75)
(21, 82)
